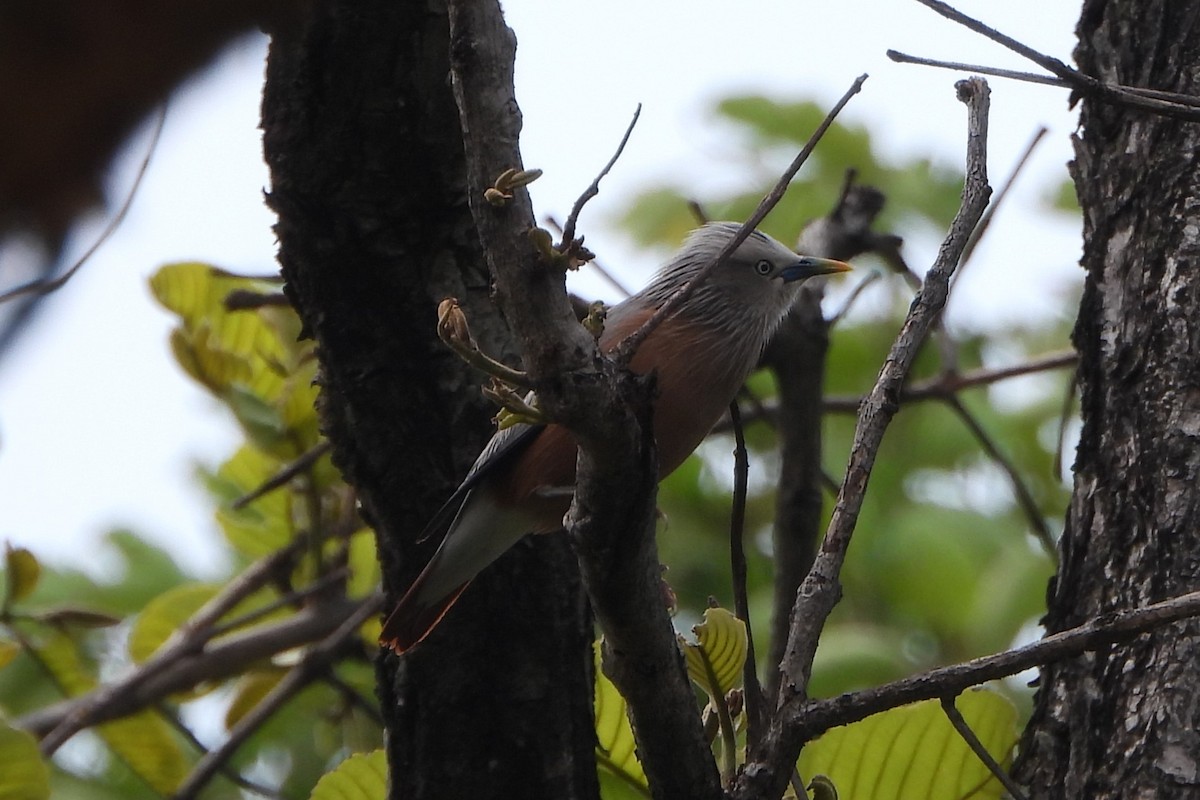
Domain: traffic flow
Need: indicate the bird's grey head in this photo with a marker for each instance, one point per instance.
(750, 293)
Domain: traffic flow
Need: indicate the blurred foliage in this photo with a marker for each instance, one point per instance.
(64, 632)
(942, 567)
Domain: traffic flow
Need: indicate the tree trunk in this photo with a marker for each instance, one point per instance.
(1125, 721)
(368, 178)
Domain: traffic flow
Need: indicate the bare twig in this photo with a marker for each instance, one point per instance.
(314, 664)
(247, 300)
(48, 285)
(821, 588)
(285, 474)
(851, 298)
(964, 730)
(568, 234)
(190, 638)
(627, 348)
(293, 598)
(594, 264)
(1017, 75)
(998, 199)
(817, 716)
(227, 771)
(938, 388)
(1179, 107)
(1064, 415)
(219, 660)
(1024, 497)
(755, 702)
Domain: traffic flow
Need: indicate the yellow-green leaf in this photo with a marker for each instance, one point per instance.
(364, 564)
(615, 747)
(22, 570)
(265, 525)
(143, 741)
(60, 655)
(249, 691)
(719, 652)
(8, 651)
(164, 615)
(914, 752)
(146, 743)
(25, 775)
(362, 776)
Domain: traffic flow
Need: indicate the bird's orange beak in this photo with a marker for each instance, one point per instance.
(810, 266)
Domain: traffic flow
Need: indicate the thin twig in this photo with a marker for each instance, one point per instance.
(1024, 497)
(315, 662)
(851, 298)
(1064, 415)
(285, 474)
(958, 66)
(591, 191)
(290, 599)
(626, 350)
(188, 639)
(821, 588)
(227, 771)
(755, 702)
(998, 199)
(594, 264)
(48, 285)
(810, 719)
(943, 386)
(1181, 107)
(964, 730)
(355, 698)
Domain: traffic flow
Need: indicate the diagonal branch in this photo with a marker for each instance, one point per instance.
(593, 189)
(972, 741)
(821, 589)
(315, 663)
(628, 347)
(1181, 107)
(611, 518)
(219, 660)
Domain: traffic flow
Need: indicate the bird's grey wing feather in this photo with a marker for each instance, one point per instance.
(503, 444)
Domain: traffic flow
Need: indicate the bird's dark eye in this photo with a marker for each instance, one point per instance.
(764, 267)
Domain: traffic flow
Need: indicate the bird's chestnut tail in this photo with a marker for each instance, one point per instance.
(414, 618)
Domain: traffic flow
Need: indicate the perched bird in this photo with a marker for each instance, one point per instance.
(701, 354)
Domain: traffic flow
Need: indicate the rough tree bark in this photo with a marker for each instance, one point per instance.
(1125, 721)
(368, 178)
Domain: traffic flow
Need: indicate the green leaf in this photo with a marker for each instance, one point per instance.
(719, 652)
(146, 743)
(164, 615)
(249, 691)
(25, 775)
(143, 741)
(615, 748)
(364, 564)
(362, 776)
(913, 751)
(263, 526)
(8, 652)
(60, 655)
(23, 571)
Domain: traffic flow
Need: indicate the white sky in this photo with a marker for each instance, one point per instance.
(99, 428)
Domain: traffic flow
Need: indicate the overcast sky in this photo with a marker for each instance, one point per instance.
(99, 428)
